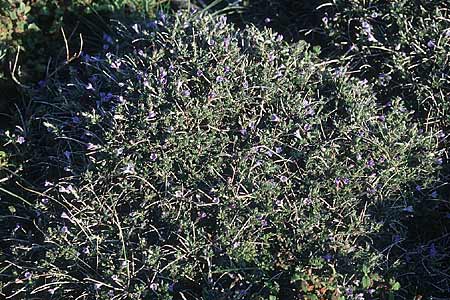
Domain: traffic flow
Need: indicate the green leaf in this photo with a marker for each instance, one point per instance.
(12, 209)
(366, 282)
(395, 286)
(33, 27)
(272, 297)
(365, 269)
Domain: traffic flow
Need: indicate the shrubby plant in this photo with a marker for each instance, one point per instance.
(402, 44)
(198, 161)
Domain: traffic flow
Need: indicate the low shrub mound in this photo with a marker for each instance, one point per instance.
(198, 161)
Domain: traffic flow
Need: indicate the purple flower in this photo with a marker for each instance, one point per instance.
(396, 238)
(222, 21)
(418, 188)
(337, 181)
(245, 84)
(267, 20)
(128, 169)
(45, 201)
(161, 16)
(68, 190)
(432, 251)
(212, 95)
(431, 44)
(186, 93)
(434, 194)
(346, 181)
(216, 200)
(116, 64)
(28, 275)
(283, 179)
(278, 150)
(67, 154)
(154, 286)
(409, 209)
(366, 27)
(274, 118)
(86, 250)
(243, 131)
(371, 163)
(42, 83)
(219, 79)
(279, 202)
(263, 222)
(151, 115)
(226, 69)
(328, 257)
(310, 112)
(199, 73)
(153, 156)
(279, 38)
(382, 118)
(171, 286)
(20, 140)
(202, 215)
(226, 42)
(107, 38)
(65, 216)
(92, 147)
(89, 86)
(64, 229)
(439, 161)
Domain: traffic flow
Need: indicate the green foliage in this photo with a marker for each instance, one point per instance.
(207, 162)
(33, 27)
